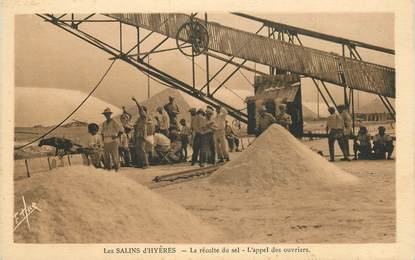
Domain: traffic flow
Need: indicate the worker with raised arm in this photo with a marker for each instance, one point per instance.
(140, 134)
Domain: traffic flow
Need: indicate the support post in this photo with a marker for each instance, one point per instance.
(138, 42)
(120, 37)
(27, 168)
(353, 115)
(193, 69)
(207, 63)
(50, 166)
(148, 77)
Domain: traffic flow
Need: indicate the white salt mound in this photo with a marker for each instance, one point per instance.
(277, 158)
(83, 205)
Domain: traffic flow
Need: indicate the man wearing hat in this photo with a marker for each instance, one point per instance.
(208, 147)
(220, 135)
(172, 110)
(334, 129)
(125, 117)
(197, 120)
(283, 118)
(264, 120)
(140, 135)
(125, 144)
(382, 144)
(362, 146)
(192, 112)
(110, 132)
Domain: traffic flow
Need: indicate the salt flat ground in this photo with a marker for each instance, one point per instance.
(363, 213)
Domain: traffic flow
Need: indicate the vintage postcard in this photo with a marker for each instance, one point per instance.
(188, 130)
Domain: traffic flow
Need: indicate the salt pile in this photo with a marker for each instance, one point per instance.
(80, 204)
(277, 158)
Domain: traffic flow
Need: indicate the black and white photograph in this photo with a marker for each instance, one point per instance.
(267, 130)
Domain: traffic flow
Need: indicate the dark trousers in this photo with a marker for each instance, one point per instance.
(208, 148)
(212, 146)
(233, 143)
(183, 152)
(362, 151)
(336, 135)
(142, 158)
(196, 147)
(382, 149)
(125, 155)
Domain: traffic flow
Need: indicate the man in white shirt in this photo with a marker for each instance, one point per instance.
(110, 132)
(219, 133)
(161, 142)
(334, 128)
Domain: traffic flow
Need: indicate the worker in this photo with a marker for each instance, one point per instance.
(164, 121)
(95, 145)
(110, 132)
(125, 117)
(172, 110)
(198, 121)
(334, 128)
(185, 134)
(149, 140)
(124, 147)
(140, 134)
(219, 134)
(175, 146)
(283, 118)
(264, 120)
(208, 144)
(382, 144)
(161, 144)
(232, 137)
(193, 115)
(344, 114)
(362, 146)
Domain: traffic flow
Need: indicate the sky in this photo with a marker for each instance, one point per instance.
(48, 57)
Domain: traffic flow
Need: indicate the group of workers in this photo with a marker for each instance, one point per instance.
(165, 138)
(339, 128)
(265, 119)
(162, 138)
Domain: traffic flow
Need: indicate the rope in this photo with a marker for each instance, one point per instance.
(73, 112)
(252, 85)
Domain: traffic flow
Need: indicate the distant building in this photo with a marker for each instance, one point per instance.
(374, 116)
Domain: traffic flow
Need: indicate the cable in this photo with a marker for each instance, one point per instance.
(73, 112)
(252, 85)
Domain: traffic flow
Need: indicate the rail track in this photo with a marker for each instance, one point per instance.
(183, 176)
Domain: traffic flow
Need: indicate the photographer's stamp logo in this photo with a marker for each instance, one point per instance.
(23, 215)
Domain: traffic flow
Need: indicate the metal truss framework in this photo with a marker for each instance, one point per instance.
(135, 57)
(290, 34)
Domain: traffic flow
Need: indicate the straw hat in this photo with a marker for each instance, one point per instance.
(107, 111)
